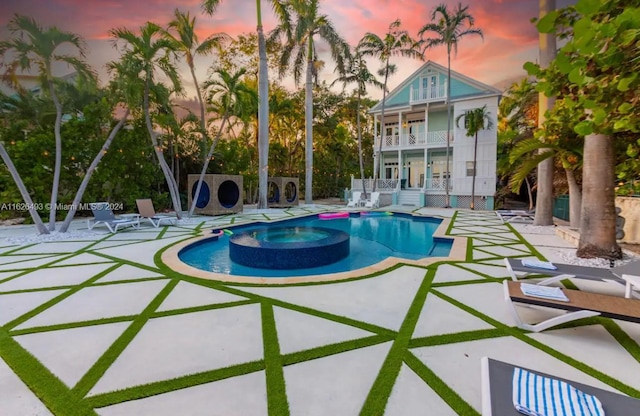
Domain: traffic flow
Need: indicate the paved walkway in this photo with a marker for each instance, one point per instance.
(99, 326)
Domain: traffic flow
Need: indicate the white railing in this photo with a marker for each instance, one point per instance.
(428, 94)
(439, 184)
(432, 138)
(382, 185)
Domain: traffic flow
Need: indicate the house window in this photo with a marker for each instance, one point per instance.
(470, 169)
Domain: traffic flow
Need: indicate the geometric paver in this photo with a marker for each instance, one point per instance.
(450, 273)
(179, 345)
(15, 396)
(18, 304)
(487, 298)
(440, 317)
(186, 295)
(127, 272)
(69, 353)
(298, 331)
(241, 395)
(83, 258)
(51, 277)
(142, 253)
(99, 302)
(412, 396)
(56, 247)
(334, 385)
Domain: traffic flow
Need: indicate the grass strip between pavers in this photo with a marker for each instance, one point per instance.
(276, 387)
(55, 395)
(178, 383)
(98, 369)
(328, 350)
(446, 393)
(457, 337)
(622, 337)
(379, 393)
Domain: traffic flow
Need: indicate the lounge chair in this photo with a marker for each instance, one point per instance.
(146, 210)
(511, 215)
(497, 392)
(102, 214)
(580, 305)
(631, 271)
(355, 199)
(374, 202)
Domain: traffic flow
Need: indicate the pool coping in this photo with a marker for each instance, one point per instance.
(170, 259)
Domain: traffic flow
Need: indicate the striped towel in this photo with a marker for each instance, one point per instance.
(545, 292)
(535, 395)
(537, 264)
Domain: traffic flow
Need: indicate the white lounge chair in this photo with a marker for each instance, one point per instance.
(102, 214)
(511, 215)
(355, 199)
(374, 202)
(146, 210)
(497, 391)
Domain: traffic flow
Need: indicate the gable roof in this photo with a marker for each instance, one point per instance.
(486, 90)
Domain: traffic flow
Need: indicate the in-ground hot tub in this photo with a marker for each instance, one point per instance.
(289, 247)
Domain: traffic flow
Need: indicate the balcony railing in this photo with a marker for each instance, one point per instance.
(424, 95)
(432, 138)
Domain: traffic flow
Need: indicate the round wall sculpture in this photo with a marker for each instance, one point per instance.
(283, 192)
(289, 247)
(219, 194)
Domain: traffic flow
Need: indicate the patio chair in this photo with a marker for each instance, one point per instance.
(631, 271)
(102, 214)
(579, 305)
(497, 391)
(374, 202)
(511, 215)
(355, 199)
(146, 210)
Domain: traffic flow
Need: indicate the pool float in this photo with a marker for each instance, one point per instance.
(375, 213)
(227, 232)
(217, 233)
(333, 215)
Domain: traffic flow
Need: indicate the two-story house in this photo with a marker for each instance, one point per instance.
(413, 159)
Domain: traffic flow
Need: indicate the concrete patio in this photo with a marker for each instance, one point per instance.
(99, 326)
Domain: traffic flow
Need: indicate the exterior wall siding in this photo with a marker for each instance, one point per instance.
(438, 121)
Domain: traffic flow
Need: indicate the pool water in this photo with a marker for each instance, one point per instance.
(373, 239)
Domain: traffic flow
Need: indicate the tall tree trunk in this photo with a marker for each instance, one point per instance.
(598, 218)
(203, 121)
(447, 200)
(87, 176)
(529, 193)
(473, 180)
(263, 116)
(171, 183)
(42, 229)
(58, 157)
(205, 165)
(308, 124)
(360, 156)
(544, 202)
(377, 160)
(575, 199)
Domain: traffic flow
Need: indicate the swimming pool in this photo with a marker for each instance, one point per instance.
(372, 240)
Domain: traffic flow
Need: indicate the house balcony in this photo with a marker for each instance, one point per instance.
(413, 140)
(429, 94)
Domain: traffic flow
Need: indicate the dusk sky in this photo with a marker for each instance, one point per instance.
(509, 37)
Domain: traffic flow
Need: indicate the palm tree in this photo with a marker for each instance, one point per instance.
(474, 121)
(186, 43)
(449, 29)
(281, 11)
(144, 55)
(35, 46)
(396, 42)
(544, 201)
(300, 48)
(227, 94)
(359, 74)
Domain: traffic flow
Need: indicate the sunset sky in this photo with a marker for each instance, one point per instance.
(509, 37)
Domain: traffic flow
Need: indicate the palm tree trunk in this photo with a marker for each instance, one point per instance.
(42, 229)
(87, 176)
(308, 122)
(544, 201)
(447, 200)
(263, 115)
(173, 189)
(203, 125)
(360, 156)
(473, 180)
(58, 158)
(205, 165)
(575, 199)
(598, 215)
(376, 166)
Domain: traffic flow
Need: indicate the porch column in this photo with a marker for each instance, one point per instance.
(400, 166)
(426, 126)
(426, 167)
(399, 127)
